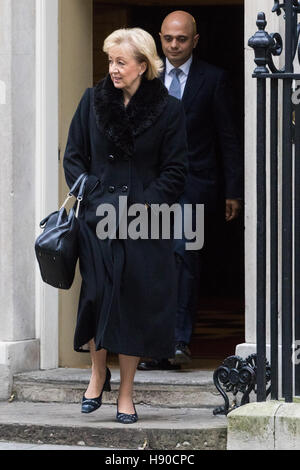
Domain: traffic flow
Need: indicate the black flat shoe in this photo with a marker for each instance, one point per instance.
(124, 418)
(182, 354)
(88, 405)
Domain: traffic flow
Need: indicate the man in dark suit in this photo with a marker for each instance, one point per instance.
(205, 93)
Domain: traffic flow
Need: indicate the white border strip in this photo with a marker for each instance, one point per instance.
(46, 173)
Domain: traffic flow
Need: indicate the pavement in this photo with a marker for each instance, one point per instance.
(175, 410)
(157, 427)
(26, 446)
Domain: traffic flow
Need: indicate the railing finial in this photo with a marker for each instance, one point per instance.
(261, 21)
(261, 42)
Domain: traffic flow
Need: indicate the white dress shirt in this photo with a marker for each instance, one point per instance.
(185, 68)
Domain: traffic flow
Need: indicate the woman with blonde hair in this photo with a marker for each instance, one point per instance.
(128, 134)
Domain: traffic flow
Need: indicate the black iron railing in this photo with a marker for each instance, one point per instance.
(255, 373)
(283, 109)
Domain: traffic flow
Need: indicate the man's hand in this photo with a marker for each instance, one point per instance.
(233, 208)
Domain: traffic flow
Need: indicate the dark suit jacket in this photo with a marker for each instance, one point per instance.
(212, 136)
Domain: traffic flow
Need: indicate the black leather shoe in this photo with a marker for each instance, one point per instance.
(155, 364)
(125, 418)
(88, 405)
(182, 353)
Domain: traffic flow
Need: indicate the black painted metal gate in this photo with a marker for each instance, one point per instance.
(284, 145)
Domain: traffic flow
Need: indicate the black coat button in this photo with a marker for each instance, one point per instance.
(111, 189)
(124, 188)
(111, 158)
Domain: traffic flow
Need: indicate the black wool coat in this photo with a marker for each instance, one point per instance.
(128, 295)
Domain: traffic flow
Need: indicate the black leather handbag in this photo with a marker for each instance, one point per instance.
(57, 247)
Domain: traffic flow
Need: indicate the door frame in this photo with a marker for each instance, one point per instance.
(46, 173)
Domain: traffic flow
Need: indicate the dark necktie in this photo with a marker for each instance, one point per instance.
(175, 87)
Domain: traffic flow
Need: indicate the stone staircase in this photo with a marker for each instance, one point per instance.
(175, 411)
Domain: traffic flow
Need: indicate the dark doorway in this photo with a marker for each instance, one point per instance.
(221, 43)
(219, 325)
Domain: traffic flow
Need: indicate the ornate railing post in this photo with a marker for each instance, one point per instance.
(262, 43)
(237, 375)
(285, 107)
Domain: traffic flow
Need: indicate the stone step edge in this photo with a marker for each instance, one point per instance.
(202, 403)
(156, 429)
(128, 439)
(78, 376)
(173, 398)
(116, 384)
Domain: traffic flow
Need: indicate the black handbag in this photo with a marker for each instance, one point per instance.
(56, 248)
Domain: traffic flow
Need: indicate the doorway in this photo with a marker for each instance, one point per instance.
(219, 325)
(220, 321)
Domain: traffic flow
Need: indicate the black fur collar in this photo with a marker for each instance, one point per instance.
(121, 125)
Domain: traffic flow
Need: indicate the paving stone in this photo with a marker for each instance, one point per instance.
(157, 428)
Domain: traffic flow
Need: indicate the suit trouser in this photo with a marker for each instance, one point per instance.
(188, 287)
(188, 281)
(188, 269)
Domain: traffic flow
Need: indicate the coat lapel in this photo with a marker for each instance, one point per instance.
(162, 74)
(194, 81)
(121, 125)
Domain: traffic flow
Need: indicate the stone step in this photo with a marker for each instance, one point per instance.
(172, 389)
(158, 428)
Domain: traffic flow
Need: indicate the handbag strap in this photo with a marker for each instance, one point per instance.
(80, 180)
(80, 193)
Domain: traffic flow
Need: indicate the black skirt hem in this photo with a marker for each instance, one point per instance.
(150, 355)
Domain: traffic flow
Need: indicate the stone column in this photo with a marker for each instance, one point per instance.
(19, 348)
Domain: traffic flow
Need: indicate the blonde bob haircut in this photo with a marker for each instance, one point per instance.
(142, 45)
